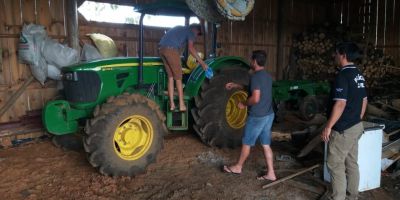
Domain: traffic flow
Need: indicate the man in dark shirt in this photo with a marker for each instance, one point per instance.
(344, 126)
(260, 116)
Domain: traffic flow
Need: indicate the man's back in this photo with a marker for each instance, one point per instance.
(349, 86)
(177, 37)
(262, 81)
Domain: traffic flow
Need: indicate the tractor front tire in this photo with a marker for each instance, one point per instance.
(125, 135)
(68, 142)
(218, 120)
(308, 108)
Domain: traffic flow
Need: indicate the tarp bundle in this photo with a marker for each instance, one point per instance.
(217, 10)
(46, 56)
(235, 9)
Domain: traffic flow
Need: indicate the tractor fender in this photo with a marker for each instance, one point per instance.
(197, 76)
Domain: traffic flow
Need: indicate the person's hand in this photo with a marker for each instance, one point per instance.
(325, 134)
(204, 66)
(241, 105)
(230, 86)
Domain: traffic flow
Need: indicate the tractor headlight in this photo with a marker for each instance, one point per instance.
(70, 76)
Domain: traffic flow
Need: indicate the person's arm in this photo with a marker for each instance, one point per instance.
(337, 111)
(252, 100)
(255, 93)
(364, 107)
(232, 85)
(340, 97)
(194, 53)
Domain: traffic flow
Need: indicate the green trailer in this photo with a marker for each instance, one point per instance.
(122, 105)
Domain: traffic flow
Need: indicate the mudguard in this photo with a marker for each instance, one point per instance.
(197, 76)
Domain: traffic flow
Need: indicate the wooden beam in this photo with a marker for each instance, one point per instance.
(122, 2)
(280, 27)
(15, 96)
(290, 177)
(80, 2)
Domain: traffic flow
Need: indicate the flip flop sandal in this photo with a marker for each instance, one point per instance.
(228, 170)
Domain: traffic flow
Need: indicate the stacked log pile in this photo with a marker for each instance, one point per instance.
(314, 55)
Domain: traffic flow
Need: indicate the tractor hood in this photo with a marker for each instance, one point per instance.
(109, 63)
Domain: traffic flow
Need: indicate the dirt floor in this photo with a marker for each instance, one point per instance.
(185, 169)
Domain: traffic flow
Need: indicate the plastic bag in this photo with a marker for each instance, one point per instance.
(59, 55)
(53, 72)
(104, 44)
(209, 73)
(39, 71)
(89, 53)
(30, 42)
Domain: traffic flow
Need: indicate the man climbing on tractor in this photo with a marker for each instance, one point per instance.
(170, 48)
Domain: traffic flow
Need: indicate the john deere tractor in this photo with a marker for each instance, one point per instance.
(121, 104)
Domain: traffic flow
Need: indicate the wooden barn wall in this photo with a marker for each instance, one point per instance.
(381, 26)
(13, 74)
(259, 31)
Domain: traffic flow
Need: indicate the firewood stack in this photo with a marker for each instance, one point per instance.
(314, 55)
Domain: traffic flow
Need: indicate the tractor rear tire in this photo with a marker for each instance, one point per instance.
(125, 135)
(280, 111)
(218, 121)
(309, 107)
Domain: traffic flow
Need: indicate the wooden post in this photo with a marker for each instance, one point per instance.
(280, 32)
(72, 24)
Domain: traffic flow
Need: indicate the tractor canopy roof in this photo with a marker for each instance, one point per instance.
(165, 7)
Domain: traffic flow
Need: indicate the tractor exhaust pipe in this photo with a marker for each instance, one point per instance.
(141, 51)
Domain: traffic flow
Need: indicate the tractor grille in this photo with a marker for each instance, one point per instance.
(84, 88)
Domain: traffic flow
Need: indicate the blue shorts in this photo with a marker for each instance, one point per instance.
(258, 128)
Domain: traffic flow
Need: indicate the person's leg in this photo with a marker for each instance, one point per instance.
(265, 140)
(244, 154)
(182, 106)
(352, 170)
(171, 93)
(269, 158)
(164, 54)
(251, 132)
(338, 149)
(175, 63)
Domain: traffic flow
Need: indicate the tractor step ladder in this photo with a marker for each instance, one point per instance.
(177, 120)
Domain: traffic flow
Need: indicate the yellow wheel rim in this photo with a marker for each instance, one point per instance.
(133, 137)
(236, 117)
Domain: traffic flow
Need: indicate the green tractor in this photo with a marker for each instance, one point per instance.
(121, 104)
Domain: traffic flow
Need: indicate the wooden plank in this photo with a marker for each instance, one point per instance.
(307, 187)
(44, 16)
(3, 16)
(290, 176)
(391, 149)
(15, 96)
(28, 11)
